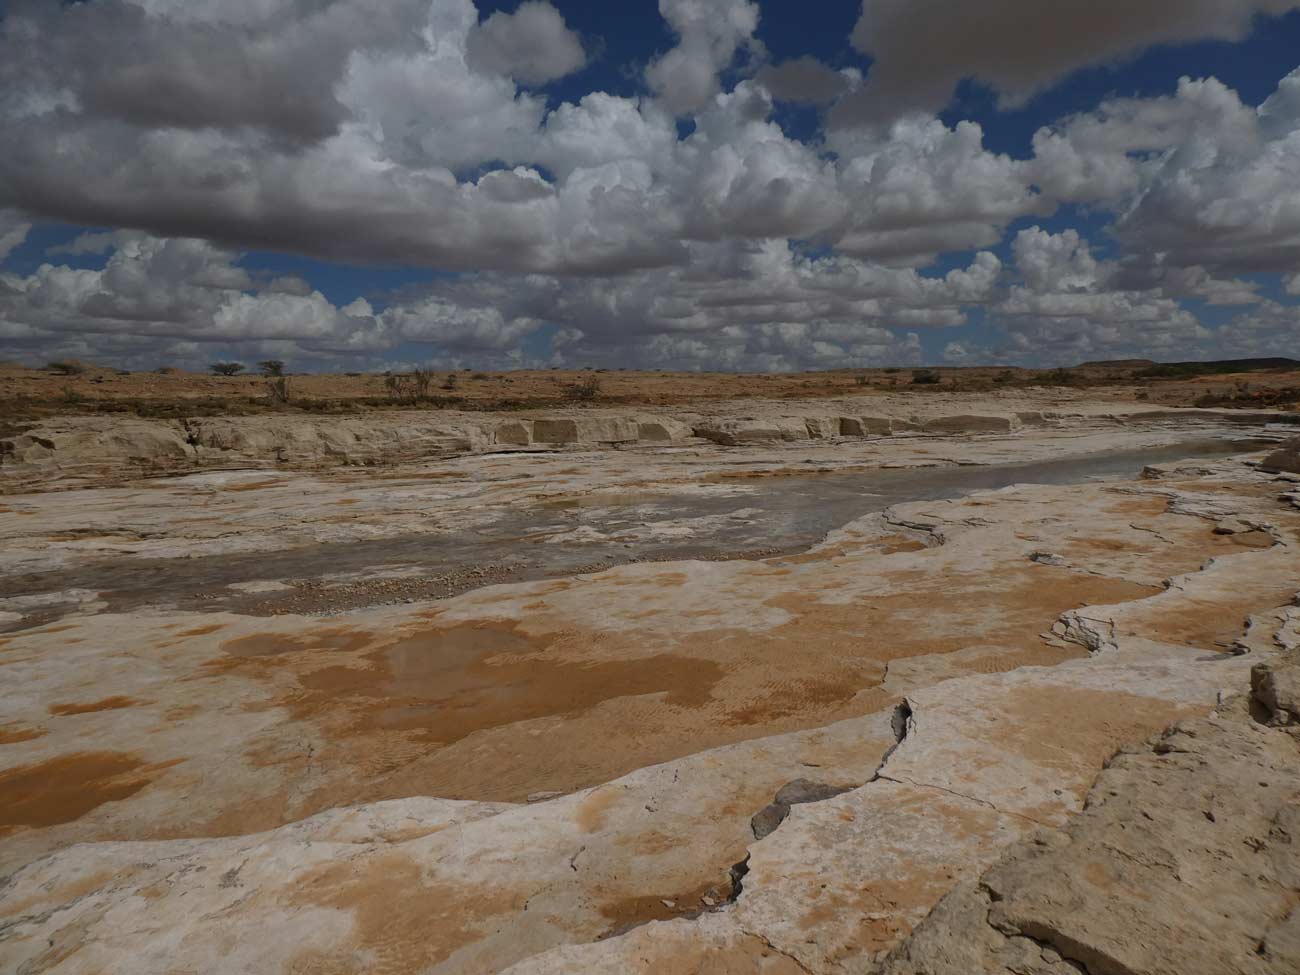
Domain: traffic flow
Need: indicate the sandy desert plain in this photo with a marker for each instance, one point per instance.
(776, 676)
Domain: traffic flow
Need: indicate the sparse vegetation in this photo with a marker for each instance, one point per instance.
(277, 390)
(271, 367)
(396, 386)
(450, 382)
(584, 391)
(1220, 367)
(176, 392)
(227, 368)
(925, 377)
(421, 381)
(67, 367)
(1287, 397)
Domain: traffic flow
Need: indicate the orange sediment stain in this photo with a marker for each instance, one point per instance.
(12, 734)
(90, 707)
(66, 788)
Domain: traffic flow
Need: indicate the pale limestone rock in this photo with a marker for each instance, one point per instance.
(518, 433)
(79, 450)
(866, 426)
(822, 427)
(1284, 460)
(329, 441)
(1185, 861)
(587, 430)
(1276, 688)
(733, 433)
(986, 423)
(662, 429)
(75, 447)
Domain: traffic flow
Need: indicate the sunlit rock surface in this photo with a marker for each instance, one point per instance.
(274, 721)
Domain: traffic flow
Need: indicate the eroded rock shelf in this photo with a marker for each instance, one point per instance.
(965, 733)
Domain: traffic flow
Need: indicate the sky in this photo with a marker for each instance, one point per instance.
(732, 185)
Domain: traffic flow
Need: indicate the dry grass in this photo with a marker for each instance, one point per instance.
(33, 393)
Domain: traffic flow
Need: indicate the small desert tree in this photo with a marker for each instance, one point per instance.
(397, 387)
(227, 368)
(277, 390)
(271, 367)
(422, 380)
(67, 367)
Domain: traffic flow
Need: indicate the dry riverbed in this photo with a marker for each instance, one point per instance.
(533, 710)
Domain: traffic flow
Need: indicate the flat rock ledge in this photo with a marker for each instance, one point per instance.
(1185, 860)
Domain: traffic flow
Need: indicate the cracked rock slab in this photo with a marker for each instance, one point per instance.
(1186, 861)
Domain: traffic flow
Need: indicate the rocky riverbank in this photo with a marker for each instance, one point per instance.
(71, 452)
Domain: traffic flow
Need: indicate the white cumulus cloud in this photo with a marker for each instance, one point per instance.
(923, 48)
(532, 45)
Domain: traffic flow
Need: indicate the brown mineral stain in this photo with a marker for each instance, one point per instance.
(1073, 731)
(203, 630)
(1127, 504)
(64, 789)
(886, 545)
(11, 734)
(592, 810)
(403, 922)
(1099, 875)
(1255, 540)
(274, 644)
(450, 683)
(631, 912)
(1212, 620)
(253, 485)
(90, 707)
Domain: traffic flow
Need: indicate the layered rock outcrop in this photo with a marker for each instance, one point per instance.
(80, 451)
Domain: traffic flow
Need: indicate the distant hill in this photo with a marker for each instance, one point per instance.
(1217, 367)
(1117, 364)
